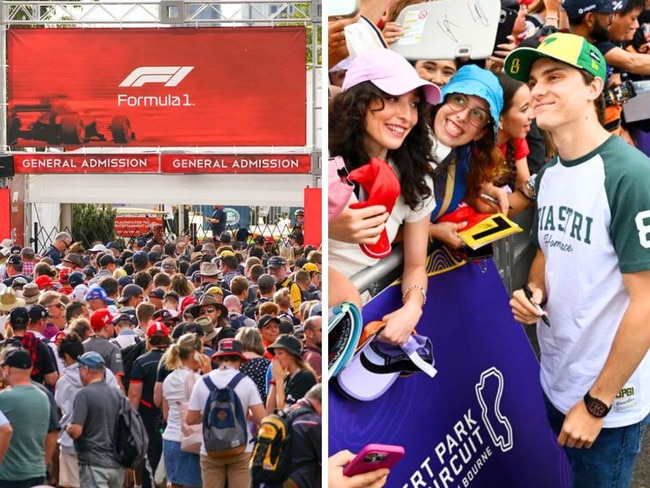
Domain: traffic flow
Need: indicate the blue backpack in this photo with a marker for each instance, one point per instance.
(224, 420)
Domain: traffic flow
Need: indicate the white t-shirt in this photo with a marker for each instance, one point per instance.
(174, 392)
(592, 224)
(349, 259)
(245, 390)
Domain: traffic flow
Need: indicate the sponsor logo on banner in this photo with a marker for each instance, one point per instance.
(169, 75)
(175, 89)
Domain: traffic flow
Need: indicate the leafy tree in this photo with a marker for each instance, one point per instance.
(92, 223)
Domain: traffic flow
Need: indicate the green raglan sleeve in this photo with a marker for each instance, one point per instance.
(627, 184)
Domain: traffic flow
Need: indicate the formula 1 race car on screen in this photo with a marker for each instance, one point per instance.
(57, 123)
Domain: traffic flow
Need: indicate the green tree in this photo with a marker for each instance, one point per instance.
(302, 12)
(92, 223)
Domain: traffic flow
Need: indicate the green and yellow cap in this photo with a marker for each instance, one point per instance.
(567, 48)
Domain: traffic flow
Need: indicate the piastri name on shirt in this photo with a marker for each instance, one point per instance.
(573, 226)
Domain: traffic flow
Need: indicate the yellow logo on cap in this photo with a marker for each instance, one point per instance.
(515, 66)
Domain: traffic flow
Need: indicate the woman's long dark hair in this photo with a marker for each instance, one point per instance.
(347, 131)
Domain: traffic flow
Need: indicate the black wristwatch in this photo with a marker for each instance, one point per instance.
(596, 407)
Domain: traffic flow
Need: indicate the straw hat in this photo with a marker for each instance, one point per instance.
(9, 300)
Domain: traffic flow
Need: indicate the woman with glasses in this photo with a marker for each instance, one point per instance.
(377, 124)
(466, 158)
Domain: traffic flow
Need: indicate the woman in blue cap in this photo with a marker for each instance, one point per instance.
(466, 158)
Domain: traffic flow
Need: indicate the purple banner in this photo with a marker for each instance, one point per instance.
(480, 422)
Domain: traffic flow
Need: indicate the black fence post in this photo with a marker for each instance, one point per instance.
(34, 239)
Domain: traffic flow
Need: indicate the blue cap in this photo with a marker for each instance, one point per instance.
(97, 293)
(76, 278)
(140, 257)
(472, 80)
(92, 360)
(124, 280)
(577, 8)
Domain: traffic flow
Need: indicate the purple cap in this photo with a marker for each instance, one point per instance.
(390, 72)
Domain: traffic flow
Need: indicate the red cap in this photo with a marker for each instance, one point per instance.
(186, 302)
(45, 280)
(63, 274)
(101, 318)
(157, 329)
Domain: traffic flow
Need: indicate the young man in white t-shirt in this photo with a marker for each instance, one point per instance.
(234, 469)
(592, 268)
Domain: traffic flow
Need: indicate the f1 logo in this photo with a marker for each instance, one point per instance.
(169, 75)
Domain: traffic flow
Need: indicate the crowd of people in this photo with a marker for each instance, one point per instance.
(82, 327)
(537, 132)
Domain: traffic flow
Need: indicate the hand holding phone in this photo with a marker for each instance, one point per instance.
(373, 457)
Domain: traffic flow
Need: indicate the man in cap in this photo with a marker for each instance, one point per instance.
(73, 261)
(62, 241)
(107, 264)
(31, 293)
(210, 307)
(14, 270)
(28, 410)
(101, 322)
(233, 469)
(132, 295)
(141, 391)
(592, 19)
(299, 217)
(45, 282)
(92, 425)
(210, 275)
(124, 324)
(44, 370)
(315, 276)
(169, 266)
(70, 349)
(277, 267)
(593, 206)
(140, 261)
(97, 298)
(217, 221)
(156, 297)
(158, 237)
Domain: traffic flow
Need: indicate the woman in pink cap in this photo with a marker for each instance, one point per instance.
(378, 126)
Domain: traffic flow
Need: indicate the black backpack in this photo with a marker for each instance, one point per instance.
(129, 355)
(271, 462)
(130, 436)
(254, 307)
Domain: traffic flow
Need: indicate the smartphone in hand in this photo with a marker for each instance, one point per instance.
(373, 457)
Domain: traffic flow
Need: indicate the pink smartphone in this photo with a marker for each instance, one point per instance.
(372, 457)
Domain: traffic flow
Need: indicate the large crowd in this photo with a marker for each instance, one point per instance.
(149, 320)
(421, 146)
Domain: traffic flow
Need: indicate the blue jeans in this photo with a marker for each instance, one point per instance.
(609, 463)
